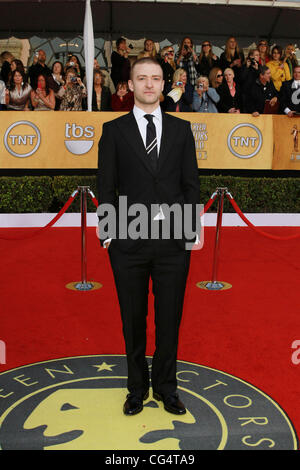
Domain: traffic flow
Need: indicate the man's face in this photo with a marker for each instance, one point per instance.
(42, 56)
(267, 76)
(297, 73)
(147, 84)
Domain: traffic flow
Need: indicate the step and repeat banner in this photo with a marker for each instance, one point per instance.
(69, 140)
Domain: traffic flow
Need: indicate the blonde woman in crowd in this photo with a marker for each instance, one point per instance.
(233, 57)
(149, 50)
(181, 96)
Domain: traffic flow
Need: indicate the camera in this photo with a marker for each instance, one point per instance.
(74, 79)
(179, 83)
(186, 47)
(253, 61)
(200, 86)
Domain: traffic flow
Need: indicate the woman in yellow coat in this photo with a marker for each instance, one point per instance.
(280, 71)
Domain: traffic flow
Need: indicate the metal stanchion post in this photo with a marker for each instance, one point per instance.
(84, 285)
(214, 284)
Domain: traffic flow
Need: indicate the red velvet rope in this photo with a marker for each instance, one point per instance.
(261, 232)
(52, 222)
(93, 198)
(208, 204)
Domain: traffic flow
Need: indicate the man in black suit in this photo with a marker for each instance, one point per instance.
(290, 94)
(149, 158)
(261, 93)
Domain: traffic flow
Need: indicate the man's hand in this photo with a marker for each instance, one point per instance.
(291, 114)
(273, 101)
(106, 243)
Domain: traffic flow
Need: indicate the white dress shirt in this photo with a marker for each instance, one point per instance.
(142, 123)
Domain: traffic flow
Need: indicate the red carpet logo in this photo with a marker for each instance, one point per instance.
(79, 138)
(22, 139)
(76, 403)
(245, 140)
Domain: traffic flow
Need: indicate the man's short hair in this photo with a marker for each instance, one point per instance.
(263, 69)
(144, 60)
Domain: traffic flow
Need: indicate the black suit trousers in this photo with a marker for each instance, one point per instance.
(167, 265)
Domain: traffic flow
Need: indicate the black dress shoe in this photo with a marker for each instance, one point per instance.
(172, 404)
(134, 404)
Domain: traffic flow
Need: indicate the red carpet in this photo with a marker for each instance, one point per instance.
(246, 331)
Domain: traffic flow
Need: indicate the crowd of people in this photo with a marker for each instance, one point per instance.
(261, 83)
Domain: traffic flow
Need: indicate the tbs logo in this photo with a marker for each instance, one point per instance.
(78, 139)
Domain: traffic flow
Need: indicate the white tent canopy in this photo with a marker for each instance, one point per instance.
(212, 20)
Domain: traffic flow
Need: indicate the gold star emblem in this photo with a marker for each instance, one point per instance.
(104, 366)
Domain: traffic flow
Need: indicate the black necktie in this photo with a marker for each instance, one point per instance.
(151, 141)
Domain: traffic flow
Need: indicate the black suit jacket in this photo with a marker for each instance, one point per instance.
(258, 94)
(226, 100)
(286, 93)
(124, 169)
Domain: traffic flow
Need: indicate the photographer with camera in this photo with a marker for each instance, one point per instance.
(72, 92)
(120, 64)
(186, 58)
(74, 63)
(168, 66)
(205, 98)
(180, 98)
(249, 74)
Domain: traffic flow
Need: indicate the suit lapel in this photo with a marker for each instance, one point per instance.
(166, 139)
(129, 128)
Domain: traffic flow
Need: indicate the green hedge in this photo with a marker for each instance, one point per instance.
(26, 194)
(49, 194)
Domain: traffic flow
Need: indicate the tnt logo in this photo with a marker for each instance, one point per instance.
(79, 139)
(244, 141)
(2, 352)
(22, 139)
